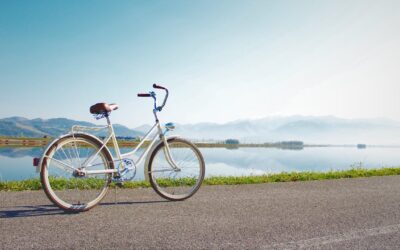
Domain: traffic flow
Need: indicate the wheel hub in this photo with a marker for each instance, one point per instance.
(78, 173)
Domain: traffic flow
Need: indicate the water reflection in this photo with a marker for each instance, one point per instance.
(16, 163)
(17, 152)
(274, 160)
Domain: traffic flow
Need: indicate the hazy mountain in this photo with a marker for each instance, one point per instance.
(318, 130)
(144, 128)
(19, 126)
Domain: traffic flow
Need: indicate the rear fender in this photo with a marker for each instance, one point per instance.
(51, 144)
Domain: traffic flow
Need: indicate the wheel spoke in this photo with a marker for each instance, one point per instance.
(162, 170)
(66, 157)
(63, 165)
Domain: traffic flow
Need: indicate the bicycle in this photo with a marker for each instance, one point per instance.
(77, 168)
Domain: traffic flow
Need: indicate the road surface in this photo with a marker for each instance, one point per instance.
(335, 214)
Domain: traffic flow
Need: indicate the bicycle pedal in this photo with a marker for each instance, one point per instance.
(119, 184)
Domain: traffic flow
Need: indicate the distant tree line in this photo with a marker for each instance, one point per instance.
(124, 138)
(232, 141)
(290, 144)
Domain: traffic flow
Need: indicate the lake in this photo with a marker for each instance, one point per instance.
(16, 163)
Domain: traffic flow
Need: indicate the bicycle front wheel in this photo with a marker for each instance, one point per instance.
(62, 180)
(176, 183)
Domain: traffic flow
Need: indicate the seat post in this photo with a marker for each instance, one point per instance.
(108, 120)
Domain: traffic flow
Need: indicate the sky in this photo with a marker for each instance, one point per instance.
(221, 60)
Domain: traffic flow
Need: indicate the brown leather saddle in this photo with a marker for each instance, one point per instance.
(103, 108)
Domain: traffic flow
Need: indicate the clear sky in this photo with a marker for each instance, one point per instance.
(221, 60)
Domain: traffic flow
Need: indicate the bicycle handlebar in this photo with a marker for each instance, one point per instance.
(158, 87)
(152, 94)
(159, 108)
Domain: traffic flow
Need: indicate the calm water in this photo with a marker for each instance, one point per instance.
(16, 163)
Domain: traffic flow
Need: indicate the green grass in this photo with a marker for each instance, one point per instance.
(34, 184)
(302, 176)
(60, 184)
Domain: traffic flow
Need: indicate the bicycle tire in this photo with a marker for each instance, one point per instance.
(60, 184)
(174, 189)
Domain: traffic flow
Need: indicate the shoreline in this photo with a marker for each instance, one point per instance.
(34, 184)
(42, 142)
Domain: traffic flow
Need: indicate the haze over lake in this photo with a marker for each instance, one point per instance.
(16, 163)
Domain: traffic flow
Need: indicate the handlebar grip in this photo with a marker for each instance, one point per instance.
(143, 95)
(158, 86)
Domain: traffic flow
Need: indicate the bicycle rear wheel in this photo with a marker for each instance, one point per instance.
(176, 184)
(60, 176)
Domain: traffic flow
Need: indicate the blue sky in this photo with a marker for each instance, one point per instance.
(221, 60)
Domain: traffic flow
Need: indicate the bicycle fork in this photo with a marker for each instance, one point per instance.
(168, 155)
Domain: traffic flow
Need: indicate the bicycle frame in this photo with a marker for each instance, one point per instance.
(120, 157)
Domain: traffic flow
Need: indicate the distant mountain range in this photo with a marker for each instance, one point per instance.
(310, 129)
(19, 126)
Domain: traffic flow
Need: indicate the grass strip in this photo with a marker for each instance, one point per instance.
(302, 176)
(34, 184)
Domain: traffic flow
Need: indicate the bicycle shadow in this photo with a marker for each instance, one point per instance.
(48, 210)
(31, 211)
(132, 202)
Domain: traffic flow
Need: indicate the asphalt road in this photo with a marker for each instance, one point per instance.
(336, 214)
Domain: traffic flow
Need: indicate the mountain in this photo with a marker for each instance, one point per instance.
(19, 126)
(144, 128)
(310, 129)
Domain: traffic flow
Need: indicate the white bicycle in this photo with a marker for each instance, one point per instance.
(77, 168)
